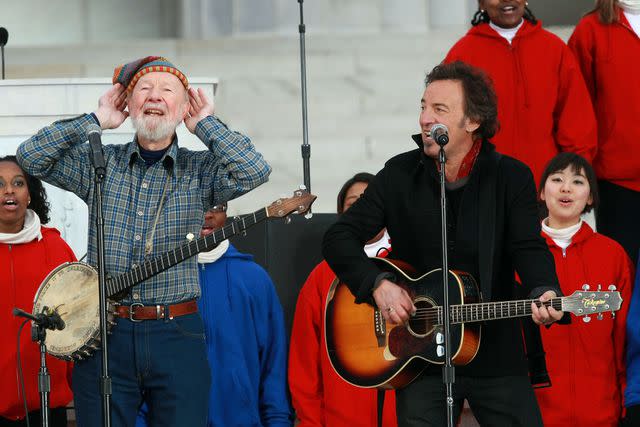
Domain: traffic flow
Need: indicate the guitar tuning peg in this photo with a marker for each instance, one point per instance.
(599, 288)
(302, 187)
(585, 287)
(612, 287)
(586, 319)
(613, 314)
(308, 215)
(282, 197)
(287, 219)
(600, 316)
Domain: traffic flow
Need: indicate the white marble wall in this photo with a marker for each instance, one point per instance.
(56, 22)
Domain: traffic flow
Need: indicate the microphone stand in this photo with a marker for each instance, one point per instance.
(97, 158)
(39, 334)
(41, 323)
(448, 371)
(305, 148)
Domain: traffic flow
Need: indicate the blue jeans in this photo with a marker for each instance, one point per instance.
(161, 362)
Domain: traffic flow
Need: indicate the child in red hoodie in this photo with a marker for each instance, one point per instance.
(320, 397)
(585, 360)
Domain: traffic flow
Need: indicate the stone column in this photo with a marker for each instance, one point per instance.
(447, 13)
(407, 16)
(205, 19)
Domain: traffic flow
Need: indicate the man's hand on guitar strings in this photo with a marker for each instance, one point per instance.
(394, 302)
(543, 315)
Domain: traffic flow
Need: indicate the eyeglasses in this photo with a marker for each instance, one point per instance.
(219, 208)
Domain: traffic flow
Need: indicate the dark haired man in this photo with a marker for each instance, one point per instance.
(493, 231)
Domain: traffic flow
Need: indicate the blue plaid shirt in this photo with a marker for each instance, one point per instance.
(132, 193)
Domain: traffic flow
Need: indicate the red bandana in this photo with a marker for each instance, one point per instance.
(467, 163)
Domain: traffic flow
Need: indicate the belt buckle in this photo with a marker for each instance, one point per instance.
(131, 311)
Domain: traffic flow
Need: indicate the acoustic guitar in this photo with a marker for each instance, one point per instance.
(367, 351)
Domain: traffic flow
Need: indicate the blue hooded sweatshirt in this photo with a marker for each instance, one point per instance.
(246, 344)
(632, 392)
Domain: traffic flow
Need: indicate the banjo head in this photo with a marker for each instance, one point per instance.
(72, 290)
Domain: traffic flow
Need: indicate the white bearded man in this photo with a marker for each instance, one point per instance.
(155, 194)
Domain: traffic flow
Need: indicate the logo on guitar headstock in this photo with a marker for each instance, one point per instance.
(592, 302)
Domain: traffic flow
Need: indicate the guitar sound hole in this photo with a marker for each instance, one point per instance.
(425, 318)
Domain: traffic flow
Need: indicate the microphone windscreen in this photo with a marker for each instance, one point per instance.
(4, 36)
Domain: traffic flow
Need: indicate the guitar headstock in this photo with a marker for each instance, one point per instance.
(299, 203)
(586, 302)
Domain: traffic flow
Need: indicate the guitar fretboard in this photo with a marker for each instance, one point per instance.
(169, 259)
(479, 312)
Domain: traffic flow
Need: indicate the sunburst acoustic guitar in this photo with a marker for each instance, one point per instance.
(367, 351)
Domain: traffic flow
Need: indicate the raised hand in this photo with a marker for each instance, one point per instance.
(199, 107)
(111, 105)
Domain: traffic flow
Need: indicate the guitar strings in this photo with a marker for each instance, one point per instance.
(482, 309)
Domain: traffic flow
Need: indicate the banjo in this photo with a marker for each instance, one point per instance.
(71, 290)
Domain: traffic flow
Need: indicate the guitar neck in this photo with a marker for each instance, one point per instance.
(480, 312)
(169, 259)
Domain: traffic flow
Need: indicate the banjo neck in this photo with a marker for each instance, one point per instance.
(167, 260)
(299, 203)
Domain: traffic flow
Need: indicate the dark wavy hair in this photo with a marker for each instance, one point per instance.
(480, 101)
(578, 163)
(39, 203)
(481, 16)
(364, 177)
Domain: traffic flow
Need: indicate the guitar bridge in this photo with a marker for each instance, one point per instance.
(380, 328)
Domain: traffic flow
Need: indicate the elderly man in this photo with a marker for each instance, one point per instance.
(155, 194)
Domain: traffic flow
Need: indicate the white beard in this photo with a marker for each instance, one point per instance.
(154, 128)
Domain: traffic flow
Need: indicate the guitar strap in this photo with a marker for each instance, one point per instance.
(380, 406)
(487, 223)
(538, 374)
(148, 247)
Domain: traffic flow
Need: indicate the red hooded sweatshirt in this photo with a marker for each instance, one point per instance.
(543, 104)
(320, 397)
(23, 267)
(586, 360)
(609, 56)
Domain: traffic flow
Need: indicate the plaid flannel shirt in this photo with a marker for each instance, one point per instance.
(132, 193)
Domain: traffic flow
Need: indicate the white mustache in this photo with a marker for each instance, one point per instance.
(153, 106)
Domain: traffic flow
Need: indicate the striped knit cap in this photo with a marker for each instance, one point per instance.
(129, 74)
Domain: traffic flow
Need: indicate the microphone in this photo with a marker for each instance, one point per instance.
(95, 144)
(4, 36)
(440, 134)
(48, 319)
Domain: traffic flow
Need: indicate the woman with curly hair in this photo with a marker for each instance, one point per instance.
(543, 104)
(28, 252)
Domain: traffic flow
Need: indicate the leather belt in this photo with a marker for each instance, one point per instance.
(138, 312)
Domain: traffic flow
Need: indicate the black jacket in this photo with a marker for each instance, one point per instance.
(493, 229)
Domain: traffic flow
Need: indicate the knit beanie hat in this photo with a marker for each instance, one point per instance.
(129, 74)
